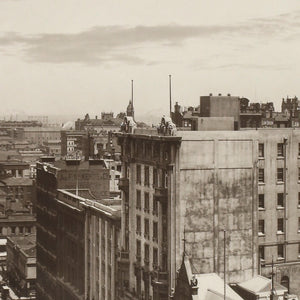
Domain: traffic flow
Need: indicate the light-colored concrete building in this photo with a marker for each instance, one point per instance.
(187, 187)
(185, 190)
(279, 205)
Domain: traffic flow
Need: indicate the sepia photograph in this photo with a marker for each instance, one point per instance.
(149, 150)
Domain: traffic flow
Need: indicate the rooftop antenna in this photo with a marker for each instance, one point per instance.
(170, 91)
(132, 92)
(76, 193)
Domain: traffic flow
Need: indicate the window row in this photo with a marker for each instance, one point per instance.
(280, 252)
(280, 200)
(146, 203)
(147, 253)
(279, 175)
(147, 228)
(158, 178)
(280, 150)
(280, 226)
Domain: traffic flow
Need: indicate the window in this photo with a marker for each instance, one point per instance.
(299, 199)
(146, 253)
(155, 231)
(280, 149)
(261, 150)
(165, 179)
(146, 178)
(155, 178)
(280, 200)
(261, 201)
(146, 202)
(13, 230)
(138, 174)
(146, 229)
(155, 206)
(138, 199)
(298, 174)
(261, 175)
(261, 227)
(280, 175)
(138, 249)
(155, 258)
(280, 254)
(261, 252)
(298, 250)
(298, 224)
(138, 224)
(280, 225)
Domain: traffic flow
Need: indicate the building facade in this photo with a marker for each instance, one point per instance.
(279, 205)
(195, 185)
(21, 265)
(192, 187)
(74, 175)
(39, 135)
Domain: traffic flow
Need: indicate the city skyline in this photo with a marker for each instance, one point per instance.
(69, 57)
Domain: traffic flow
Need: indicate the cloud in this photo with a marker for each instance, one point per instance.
(272, 67)
(114, 44)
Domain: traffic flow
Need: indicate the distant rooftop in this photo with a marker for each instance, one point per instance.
(17, 181)
(260, 284)
(26, 243)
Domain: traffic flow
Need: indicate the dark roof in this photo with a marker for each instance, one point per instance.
(84, 193)
(26, 243)
(4, 155)
(107, 122)
(16, 181)
(281, 118)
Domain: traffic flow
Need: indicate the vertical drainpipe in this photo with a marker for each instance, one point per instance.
(285, 194)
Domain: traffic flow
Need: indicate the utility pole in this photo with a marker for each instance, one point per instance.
(224, 264)
(272, 283)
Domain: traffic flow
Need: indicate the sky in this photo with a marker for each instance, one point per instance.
(74, 57)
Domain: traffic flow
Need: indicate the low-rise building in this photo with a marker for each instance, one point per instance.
(53, 147)
(20, 190)
(39, 135)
